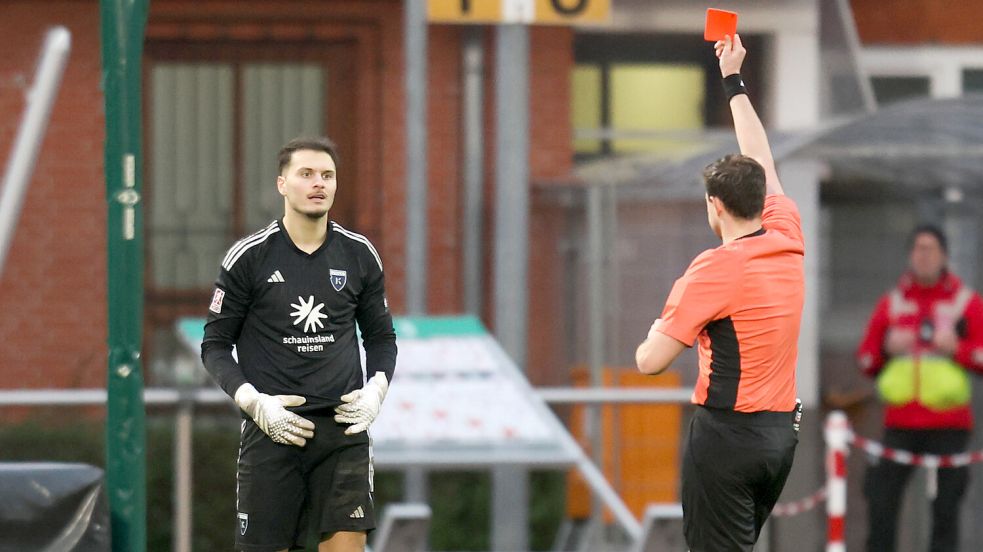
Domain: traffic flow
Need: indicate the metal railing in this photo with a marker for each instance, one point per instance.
(169, 396)
(186, 399)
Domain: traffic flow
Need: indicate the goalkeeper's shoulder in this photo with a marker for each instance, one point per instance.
(250, 246)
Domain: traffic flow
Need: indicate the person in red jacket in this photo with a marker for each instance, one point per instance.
(923, 337)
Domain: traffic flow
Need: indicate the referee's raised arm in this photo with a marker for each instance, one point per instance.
(751, 135)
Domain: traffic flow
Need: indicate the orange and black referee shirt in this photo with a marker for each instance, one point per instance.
(743, 303)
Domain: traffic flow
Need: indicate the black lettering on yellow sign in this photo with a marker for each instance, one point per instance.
(561, 6)
(545, 12)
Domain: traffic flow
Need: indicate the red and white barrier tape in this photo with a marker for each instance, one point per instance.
(874, 448)
(800, 506)
(839, 436)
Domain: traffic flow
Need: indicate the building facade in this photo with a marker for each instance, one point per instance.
(225, 84)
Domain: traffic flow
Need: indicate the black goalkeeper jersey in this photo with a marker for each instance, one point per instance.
(292, 316)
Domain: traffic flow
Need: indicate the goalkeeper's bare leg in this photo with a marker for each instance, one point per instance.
(343, 541)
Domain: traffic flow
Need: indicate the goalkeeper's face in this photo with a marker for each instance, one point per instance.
(308, 183)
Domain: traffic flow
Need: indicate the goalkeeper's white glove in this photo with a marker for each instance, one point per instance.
(282, 425)
(361, 406)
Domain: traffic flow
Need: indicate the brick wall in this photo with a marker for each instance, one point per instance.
(55, 279)
(53, 288)
(445, 293)
(550, 161)
(947, 22)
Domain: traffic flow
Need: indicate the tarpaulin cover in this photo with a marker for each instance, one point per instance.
(49, 507)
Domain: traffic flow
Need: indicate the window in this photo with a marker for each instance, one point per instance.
(658, 97)
(201, 200)
(973, 81)
(190, 216)
(587, 106)
(894, 89)
(643, 98)
(627, 90)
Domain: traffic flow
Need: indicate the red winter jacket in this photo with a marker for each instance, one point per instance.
(917, 307)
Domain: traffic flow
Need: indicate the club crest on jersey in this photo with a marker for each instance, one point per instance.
(338, 279)
(243, 523)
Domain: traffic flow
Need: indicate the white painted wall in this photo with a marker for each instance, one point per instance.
(943, 65)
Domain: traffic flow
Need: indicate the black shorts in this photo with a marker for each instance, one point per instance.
(287, 496)
(734, 468)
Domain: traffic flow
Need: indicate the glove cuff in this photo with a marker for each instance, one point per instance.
(379, 382)
(246, 396)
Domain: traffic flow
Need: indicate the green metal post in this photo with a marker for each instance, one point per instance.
(123, 23)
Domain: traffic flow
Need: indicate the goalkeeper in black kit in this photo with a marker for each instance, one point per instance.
(288, 298)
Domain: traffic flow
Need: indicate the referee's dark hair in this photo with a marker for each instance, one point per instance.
(319, 143)
(739, 182)
(928, 228)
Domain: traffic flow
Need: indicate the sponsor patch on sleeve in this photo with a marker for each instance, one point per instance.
(217, 298)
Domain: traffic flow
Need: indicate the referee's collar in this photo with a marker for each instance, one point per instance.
(758, 232)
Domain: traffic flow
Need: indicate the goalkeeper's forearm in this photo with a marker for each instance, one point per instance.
(217, 358)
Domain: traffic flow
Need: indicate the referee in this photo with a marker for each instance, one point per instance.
(288, 298)
(742, 303)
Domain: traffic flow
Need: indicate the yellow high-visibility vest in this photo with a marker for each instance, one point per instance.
(936, 382)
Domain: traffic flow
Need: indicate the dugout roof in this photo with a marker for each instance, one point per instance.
(904, 148)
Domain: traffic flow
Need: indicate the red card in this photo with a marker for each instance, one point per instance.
(719, 23)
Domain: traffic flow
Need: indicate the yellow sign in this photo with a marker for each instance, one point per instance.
(464, 11)
(572, 12)
(530, 12)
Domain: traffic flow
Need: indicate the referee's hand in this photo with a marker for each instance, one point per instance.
(730, 51)
(270, 414)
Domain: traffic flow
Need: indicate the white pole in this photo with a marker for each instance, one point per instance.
(24, 153)
(837, 433)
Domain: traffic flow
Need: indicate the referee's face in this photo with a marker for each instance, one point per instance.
(308, 183)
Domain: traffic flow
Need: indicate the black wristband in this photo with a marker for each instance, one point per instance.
(733, 85)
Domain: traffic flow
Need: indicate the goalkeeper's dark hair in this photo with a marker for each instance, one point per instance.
(304, 143)
(739, 182)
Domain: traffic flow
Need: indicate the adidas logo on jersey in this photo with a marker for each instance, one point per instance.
(357, 514)
(276, 278)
